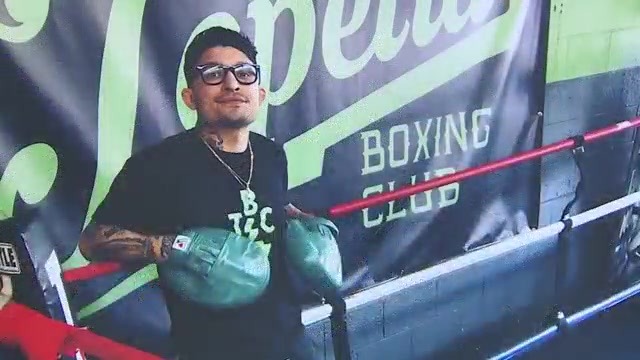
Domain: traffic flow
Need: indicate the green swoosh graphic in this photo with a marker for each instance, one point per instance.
(117, 102)
(126, 287)
(306, 152)
(30, 17)
(118, 94)
(30, 174)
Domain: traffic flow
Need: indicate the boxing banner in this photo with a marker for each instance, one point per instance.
(366, 97)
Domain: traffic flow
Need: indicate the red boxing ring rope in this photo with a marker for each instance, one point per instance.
(97, 269)
(40, 337)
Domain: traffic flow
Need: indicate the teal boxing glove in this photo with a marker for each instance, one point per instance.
(216, 268)
(312, 248)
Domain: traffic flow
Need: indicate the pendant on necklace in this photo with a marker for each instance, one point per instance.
(247, 196)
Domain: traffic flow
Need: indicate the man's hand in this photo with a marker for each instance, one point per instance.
(6, 293)
(294, 212)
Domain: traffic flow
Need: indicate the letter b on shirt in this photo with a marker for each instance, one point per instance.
(249, 203)
(245, 223)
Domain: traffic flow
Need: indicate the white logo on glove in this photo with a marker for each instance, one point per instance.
(181, 243)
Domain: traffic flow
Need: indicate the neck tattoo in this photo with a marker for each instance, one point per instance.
(213, 139)
(217, 142)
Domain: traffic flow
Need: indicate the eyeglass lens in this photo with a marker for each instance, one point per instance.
(245, 74)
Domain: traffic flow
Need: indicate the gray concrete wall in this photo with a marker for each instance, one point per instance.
(428, 318)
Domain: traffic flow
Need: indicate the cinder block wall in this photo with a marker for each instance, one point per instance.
(593, 81)
(593, 78)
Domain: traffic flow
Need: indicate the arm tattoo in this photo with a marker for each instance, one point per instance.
(110, 231)
(125, 248)
(111, 243)
(167, 242)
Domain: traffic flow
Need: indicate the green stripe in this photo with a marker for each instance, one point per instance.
(589, 37)
(126, 287)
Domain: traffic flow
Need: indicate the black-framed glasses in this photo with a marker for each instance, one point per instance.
(214, 74)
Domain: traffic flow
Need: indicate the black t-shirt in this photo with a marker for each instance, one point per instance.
(180, 184)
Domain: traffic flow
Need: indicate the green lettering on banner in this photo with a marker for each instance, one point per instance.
(30, 17)
(372, 151)
(265, 15)
(384, 44)
(449, 128)
(117, 102)
(392, 214)
(30, 174)
(333, 32)
(306, 152)
(424, 31)
(404, 160)
(479, 144)
(451, 189)
(428, 205)
(460, 135)
(423, 140)
(448, 196)
(368, 223)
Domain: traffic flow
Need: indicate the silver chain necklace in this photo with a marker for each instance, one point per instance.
(246, 184)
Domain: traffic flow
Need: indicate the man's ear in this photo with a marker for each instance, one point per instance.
(262, 94)
(187, 97)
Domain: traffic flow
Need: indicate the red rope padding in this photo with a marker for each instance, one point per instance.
(90, 271)
(42, 338)
(97, 269)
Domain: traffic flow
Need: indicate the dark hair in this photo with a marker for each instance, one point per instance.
(213, 37)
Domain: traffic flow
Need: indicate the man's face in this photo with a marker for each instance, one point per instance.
(230, 103)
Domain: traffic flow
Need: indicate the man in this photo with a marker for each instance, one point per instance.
(217, 175)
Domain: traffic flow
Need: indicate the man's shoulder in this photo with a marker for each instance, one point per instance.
(163, 152)
(265, 144)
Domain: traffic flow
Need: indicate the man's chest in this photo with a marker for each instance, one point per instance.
(217, 199)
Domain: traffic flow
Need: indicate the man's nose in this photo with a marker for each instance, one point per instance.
(230, 82)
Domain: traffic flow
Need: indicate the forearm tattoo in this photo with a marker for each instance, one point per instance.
(167, 242)
(111, 243)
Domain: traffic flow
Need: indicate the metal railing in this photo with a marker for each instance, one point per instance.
(564, 323)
